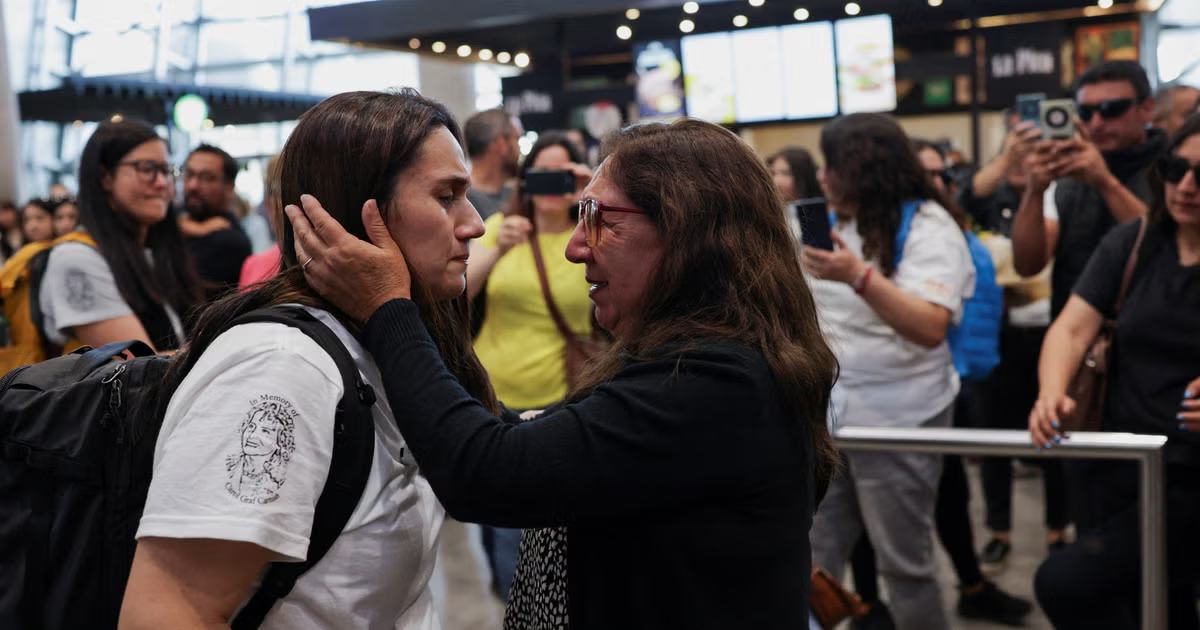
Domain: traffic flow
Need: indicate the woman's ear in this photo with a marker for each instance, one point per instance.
(106, 182)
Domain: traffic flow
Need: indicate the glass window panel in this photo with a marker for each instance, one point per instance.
(304, 46)
(489, 91)
(183, 42)
(106, 15)
(1181, 12)
(19, 21)
(1179, 49)
(105, 53)
(251, 40)
(239, 9)
(243, 141)
(259, 76)
(366, 71)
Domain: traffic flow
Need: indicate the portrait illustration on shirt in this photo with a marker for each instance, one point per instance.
(266, 441)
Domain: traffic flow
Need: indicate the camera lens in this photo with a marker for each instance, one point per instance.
(1057, 117)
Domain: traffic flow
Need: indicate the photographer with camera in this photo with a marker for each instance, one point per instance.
(1082, 187)
(521, 341)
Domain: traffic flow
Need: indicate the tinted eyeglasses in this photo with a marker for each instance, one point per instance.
(147, 170)
(1175, 168)
(1108, 110)
(590, 212)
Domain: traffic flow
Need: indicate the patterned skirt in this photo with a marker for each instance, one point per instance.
(538, 599)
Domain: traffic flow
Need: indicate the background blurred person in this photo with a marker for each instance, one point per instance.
(992, 197)
(887, 313)
(1153, 388)
(66, 216)
(214, 235)
(10, 230)
(520, 342)
(265, 264)
(491, 138)
(136, 282)
(58, 192)
(795, 174)
(37, 221)
(1172, 106)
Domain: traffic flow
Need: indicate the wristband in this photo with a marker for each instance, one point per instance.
(860, 285)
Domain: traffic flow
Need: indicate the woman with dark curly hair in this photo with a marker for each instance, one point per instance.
(887, 300)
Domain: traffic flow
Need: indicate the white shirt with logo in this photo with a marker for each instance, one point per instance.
(243, 455)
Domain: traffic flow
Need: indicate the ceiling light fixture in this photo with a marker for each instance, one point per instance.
(1105, 4)
(687, 26)
(633, 14)
(624, 32)
(414, 43)
(740, 21)
(852, 8)
(485, 54)
(756, 3)
(504, 57)
(522, 60)
(438, 47)
(800, 14)
(464, 51)
(691, 7)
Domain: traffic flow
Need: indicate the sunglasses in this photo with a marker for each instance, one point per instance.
(590, 212)
(1108, 110)
(1175, 168)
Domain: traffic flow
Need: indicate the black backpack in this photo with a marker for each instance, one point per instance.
(76, 465)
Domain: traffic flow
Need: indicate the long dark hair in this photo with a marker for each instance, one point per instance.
(170, 280)
(804, 171)
(521, 203)
(1158, 214)
(350, 148)
(871, 165)
(732, 273)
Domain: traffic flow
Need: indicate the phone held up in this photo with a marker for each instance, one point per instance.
(1055, 117)
(815, 228)
(539, 181)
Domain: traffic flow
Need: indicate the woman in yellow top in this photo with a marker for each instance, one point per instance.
(519, 343)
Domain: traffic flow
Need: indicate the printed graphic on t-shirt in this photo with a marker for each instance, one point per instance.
(266, 441)
(80, 294)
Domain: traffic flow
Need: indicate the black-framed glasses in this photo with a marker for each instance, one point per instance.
(1175, 168)
(1108, 110)
(590, 212)
(149, 169)
(205, 177)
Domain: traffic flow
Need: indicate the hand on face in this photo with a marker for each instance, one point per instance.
(839, 265)
(355, 276)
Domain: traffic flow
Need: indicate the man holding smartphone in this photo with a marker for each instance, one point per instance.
(1080, 188)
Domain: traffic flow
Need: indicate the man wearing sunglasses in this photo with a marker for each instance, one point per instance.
(1080, 188)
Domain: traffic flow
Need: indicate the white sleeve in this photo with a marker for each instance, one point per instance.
(246, 443)
(1049, 205)
(77, 289)
(936, 264)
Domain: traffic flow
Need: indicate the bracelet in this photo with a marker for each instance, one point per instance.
(860, 285)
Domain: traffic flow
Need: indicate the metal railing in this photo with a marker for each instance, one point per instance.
(1144, 449)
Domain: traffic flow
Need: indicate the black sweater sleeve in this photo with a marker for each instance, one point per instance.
(658, 435)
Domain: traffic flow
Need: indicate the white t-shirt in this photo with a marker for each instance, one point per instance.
(1049, 204)
(887, 380)
(243, 455)
(78, 288)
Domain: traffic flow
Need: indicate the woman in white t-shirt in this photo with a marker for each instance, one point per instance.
(886, 314)
(247, 438)
(127, 274)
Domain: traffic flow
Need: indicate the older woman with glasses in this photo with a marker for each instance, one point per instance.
(126, 274)
(676, 485)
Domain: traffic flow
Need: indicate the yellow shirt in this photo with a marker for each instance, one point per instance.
(519, 344)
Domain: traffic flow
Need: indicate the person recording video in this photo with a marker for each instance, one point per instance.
(520, 342)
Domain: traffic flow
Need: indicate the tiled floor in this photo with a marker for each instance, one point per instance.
(459, 584)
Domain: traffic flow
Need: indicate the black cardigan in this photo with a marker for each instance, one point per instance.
(685, 486)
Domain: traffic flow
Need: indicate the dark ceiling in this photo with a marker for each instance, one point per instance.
(552, 28)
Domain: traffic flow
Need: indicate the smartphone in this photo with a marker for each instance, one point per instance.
(1057, 118)
(815, 228)
(538, 181)
(1029, 108)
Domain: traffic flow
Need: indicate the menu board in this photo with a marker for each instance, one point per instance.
(708, 77)
(809, 72)
(866, 64)
(660, 79)
(758, 75)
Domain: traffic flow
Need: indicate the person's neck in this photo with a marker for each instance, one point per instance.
(1187, 237)
(142, 233)
(553, 222)
(487, 176)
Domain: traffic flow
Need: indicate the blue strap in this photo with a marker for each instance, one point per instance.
(907, 212)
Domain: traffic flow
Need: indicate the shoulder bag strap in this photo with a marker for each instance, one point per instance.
(349, 467)
(559, 321)
(1131, 264)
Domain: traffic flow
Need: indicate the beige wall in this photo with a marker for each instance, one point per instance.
(768, 139)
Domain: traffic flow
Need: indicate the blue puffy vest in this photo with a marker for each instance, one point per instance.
(975, 341)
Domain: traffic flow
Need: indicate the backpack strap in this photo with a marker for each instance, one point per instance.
(908, 212)
(353, 455)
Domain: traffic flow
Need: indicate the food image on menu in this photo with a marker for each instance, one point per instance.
(866, 64)
(660, 80)
(708, 77)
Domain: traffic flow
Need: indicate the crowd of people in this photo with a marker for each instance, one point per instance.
(629, 377)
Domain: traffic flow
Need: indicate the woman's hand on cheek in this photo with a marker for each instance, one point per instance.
(355, 276)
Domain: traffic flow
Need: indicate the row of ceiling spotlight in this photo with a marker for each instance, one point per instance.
(624, 31)
(520, 59)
